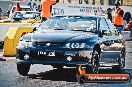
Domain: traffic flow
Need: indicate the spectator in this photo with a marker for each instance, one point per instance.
(128, 27)
(127, 17)
(18, 8)
(118, 17)
(0, 13)
(109, 14)
(46, 9)
(101, 2)
(39, 8)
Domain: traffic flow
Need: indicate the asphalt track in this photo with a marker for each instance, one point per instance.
(46, 76)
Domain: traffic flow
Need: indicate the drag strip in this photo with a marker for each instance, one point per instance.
(46, 76)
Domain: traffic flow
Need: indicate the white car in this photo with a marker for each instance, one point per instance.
(24, 8)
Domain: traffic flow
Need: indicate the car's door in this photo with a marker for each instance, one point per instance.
(113, 51)
(118, 38)
(107, 49)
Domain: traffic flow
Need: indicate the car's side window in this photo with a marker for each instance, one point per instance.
(112, 27)
(104, 27)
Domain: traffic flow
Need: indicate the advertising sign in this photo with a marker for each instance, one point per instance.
(84, 9)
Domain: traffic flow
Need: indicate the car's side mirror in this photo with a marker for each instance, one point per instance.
(100, 34)
(103, 32)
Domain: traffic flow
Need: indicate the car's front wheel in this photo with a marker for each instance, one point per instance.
(94, 68)
(23, 69)
(122, 60)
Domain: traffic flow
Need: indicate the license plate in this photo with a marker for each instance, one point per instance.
(46, 53)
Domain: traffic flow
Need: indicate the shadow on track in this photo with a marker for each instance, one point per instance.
(69, 75)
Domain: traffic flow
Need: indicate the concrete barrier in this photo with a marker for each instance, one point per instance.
(12, 37)
(4, 27)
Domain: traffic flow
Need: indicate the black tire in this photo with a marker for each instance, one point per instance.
(95, 62)
(23, 69)
(121, 62)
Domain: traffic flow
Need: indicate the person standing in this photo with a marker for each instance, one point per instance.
(101, 2)
(18, 8)
(46, 9)
(39, 8)
(109, 14)
(128, 27)
(127, 17)
(118, 17)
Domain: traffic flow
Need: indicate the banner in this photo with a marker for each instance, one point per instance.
(84, 9)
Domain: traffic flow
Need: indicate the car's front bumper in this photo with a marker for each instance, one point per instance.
(62, 63)
(60, 57)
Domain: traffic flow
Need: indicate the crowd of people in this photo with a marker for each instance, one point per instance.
(121, 20)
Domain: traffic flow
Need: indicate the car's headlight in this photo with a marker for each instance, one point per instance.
(25, 44)
(75, 45)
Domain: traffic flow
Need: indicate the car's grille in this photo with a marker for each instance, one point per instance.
(46, 56)
(59, 56)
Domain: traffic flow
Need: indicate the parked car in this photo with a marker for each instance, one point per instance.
(21, 16)
(16, 20)
(92, 42)
(12, 9)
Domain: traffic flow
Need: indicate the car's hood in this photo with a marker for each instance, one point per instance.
(58, 36)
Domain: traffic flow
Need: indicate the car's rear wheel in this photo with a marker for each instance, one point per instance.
(23, 69)
(94, 68)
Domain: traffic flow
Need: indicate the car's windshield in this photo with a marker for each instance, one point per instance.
(25, 15)
(70, 23)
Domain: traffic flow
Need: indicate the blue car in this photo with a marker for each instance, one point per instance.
(90, 41)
